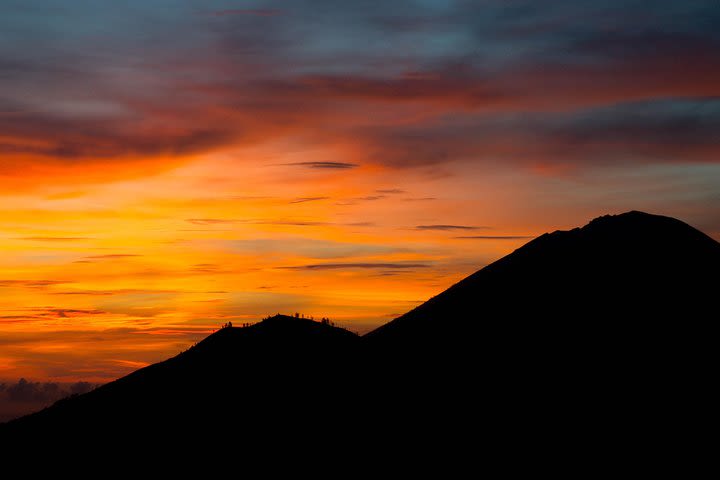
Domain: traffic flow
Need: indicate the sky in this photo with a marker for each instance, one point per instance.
(169, 166)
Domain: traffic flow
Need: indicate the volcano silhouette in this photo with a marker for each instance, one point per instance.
(624, 306)
(635, 271)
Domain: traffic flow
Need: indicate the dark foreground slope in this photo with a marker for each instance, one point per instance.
(598, 328)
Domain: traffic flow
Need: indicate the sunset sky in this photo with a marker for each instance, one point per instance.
(167, 166)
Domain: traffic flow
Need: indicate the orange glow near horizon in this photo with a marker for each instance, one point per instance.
(100, 278)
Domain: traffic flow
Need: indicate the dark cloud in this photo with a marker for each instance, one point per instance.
(206, 268)
(324, 165)
(390, 191)
(293, 223)
(23, 396)
(112, 256)
(252, 197)
(391, 273)
(120, 291)
(449, 227)
(210, 221)
(91, 292)
(256, 12)
(368, 198)
(352, 266)
(52, 312)
(32, 283)
(309, 223)
(670, 131)
(70, 139)
(641, 45)
(24, 391)
(308, 199)
(664, 131)
(78, 388)
(28, 391)
(19, 319)
(55, 239)
(68, 312)
(558, 85)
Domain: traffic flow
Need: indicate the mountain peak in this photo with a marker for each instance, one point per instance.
(635, 219)
(632, 265)
(632, 234)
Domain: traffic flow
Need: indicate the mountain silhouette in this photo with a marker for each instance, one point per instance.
(634, 268)
(624, 303)
(614, 320)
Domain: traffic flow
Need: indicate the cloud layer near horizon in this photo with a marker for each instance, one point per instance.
(23, 396)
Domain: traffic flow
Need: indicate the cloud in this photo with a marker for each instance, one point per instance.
(20, 319)
(28, 391)
(206, 268)
(54, 239)
(69, 139)
(52, 312)
(309, 223)
(91, 292)
(284, 80)
(355, 200)
(32, 283)
(309, 248)
(69, 312)
(368, 198)
(469, 89)
(24, 391)
(658, 132)
(112, 256)
(210, 221)
(23, 396)
(120, 291)
(449, 227)
(251, 197)
(309, 199)
(256, 12)
(352, 266)
(293, 223)
(324, 165)
(391, 273)
(390, 191)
